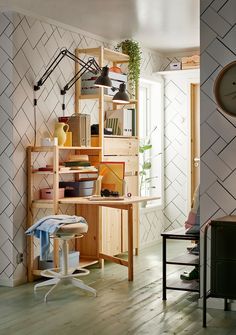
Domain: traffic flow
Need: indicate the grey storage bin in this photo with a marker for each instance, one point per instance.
(77, 188)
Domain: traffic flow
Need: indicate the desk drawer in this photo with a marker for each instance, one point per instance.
(120, 146)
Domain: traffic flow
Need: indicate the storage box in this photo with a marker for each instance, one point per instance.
(78, 188)
(49, 264)
(88, 79)
(192, 62)
(175, 66)
(79, 125)
(73, 259)
(47, 193)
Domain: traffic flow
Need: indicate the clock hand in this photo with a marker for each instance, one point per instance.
(226, 95)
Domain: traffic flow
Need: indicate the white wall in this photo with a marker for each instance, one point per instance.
(177, 146)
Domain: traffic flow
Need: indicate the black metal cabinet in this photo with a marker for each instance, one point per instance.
(183, 259)
(222, 268)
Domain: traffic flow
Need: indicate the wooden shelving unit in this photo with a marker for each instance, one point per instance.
(110, 236)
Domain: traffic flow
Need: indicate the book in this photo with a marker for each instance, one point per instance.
(76, 163)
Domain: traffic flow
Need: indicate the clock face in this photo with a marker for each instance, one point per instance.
(225, 89)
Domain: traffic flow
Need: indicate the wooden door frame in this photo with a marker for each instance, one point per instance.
(190, 82)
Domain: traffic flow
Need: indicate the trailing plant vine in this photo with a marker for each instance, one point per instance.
(133, 50)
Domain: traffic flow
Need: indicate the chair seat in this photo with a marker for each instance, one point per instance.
(73, 228)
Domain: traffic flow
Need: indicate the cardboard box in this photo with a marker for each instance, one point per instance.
(47, 193)
(175, 66)
(192, 62)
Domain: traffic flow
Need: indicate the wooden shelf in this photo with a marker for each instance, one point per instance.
(110, 55)
(79, 148)
(120, 136)
(43, 172)
(64, 172)
(84, 261)
(185, 259)
(37, 272)
(51, 148)
(42, 203)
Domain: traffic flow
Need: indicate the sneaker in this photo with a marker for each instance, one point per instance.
(193, 275)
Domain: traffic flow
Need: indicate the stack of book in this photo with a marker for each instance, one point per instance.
(81, 164)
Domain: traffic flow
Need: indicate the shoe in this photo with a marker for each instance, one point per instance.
(194, 250)
(193, 275)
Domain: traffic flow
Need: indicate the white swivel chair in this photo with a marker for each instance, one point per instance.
(65, 274)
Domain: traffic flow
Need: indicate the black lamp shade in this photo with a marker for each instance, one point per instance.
(121, 97)
(103, 80)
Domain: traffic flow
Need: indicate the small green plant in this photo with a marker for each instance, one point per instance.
(132, 48)
(146, 163)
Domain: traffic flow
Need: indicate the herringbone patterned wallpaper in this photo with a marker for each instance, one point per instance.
(176, 145)
(26, 47)
(218, 130)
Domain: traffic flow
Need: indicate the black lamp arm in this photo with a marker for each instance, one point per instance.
(93, 67)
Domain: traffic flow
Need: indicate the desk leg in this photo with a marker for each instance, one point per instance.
(164, 268)
(130, 243)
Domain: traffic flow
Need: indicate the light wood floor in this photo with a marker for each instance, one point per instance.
(120, 308)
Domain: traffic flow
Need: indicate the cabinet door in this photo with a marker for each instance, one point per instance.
(111, 231)
(132, 187)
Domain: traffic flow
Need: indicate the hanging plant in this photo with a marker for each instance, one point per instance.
(132, 49)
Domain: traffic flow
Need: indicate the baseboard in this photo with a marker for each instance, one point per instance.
(8, 282)
(150, 244)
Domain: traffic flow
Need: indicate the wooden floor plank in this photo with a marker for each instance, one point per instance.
(120, 308)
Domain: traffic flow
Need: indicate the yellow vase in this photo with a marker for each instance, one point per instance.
(60, 132)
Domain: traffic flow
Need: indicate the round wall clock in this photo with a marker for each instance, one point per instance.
(225, 89)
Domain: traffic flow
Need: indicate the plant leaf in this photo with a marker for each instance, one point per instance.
(147, 165)
(145, 147)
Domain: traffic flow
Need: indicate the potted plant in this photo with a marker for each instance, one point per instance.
(132, 48)
(146, 163)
